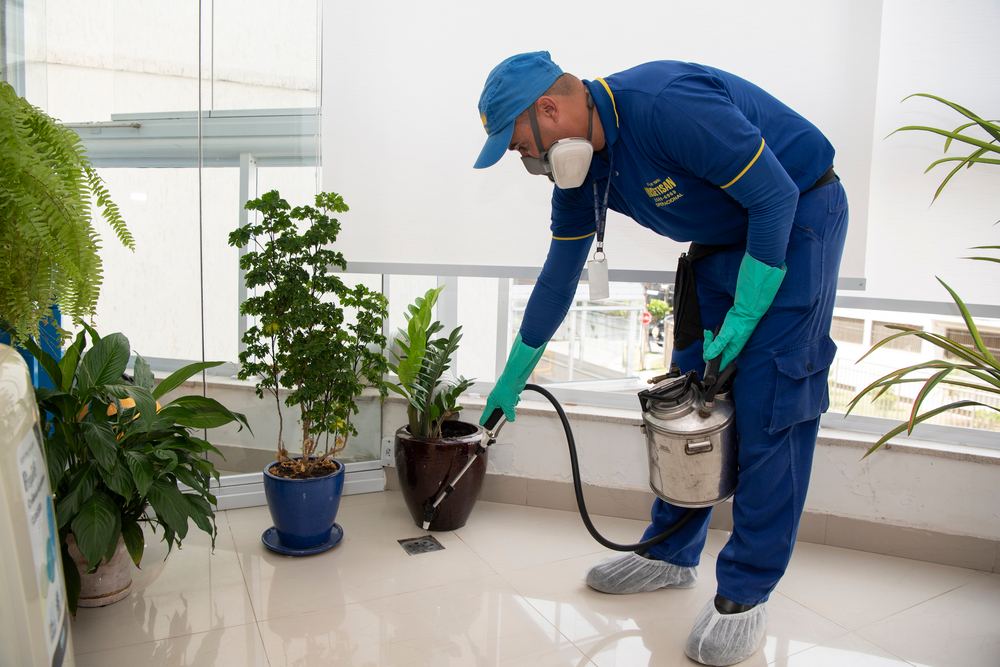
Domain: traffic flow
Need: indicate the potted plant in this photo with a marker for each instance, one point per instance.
(433, 445)
(317, 341)
(113, 452)
(974, 366)
(47, 239)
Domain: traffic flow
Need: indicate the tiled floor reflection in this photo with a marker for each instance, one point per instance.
(508, 590)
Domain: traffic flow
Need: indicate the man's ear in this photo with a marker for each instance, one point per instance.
(547, 106)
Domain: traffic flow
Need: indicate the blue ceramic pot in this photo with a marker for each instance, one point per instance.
(303, 510)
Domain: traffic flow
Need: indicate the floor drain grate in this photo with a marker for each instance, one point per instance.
(420, 545)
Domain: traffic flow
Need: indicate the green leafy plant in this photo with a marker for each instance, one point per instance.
(113, 452)
(981, 146)
(658, 308)
(48, 244)
(975, 368)
(421, 364)
(304, 340)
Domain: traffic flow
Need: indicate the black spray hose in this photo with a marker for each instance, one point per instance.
(578, 488)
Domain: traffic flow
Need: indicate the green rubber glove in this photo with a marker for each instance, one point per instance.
(507, 391)
(756, 286)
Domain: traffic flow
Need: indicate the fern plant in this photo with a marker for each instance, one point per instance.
(48, 244)
(976, 367)
(422, 365)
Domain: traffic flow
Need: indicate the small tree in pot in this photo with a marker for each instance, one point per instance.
(433, 445)
(305, 345)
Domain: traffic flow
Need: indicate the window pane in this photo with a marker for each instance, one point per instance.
(848, 330)
(121, 57)
(882, 330)
(602, 340)
(848, 375)
(478, 302)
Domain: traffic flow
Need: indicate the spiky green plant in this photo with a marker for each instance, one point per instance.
(980, 146)
(977, 368)
(421, 364)
(48, 244)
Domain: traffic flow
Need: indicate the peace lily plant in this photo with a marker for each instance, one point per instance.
(113, 452)
(975, 367)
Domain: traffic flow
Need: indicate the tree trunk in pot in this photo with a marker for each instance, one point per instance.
(112, 580)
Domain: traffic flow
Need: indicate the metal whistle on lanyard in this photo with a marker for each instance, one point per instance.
(597, 268)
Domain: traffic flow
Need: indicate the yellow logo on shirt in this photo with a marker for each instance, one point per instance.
(663, 191)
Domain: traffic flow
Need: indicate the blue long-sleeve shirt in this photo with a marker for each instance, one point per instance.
(699, 155)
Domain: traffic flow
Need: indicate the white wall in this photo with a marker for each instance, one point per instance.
(401, 129)
(950, 50)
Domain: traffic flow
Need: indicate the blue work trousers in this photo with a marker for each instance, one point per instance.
(779, 390)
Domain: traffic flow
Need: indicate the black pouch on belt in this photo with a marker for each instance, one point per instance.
(687, 315)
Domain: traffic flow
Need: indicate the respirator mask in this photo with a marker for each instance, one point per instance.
(567, 161)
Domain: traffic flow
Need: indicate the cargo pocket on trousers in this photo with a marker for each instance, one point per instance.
(803, 281)
(800, 388)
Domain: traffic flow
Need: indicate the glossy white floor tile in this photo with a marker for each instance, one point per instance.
(855, 588)
(474, 622)
(192, 591)
(961, 626)
(511, 536)
(368, 564)
(508, 590)
(849, 650)
(649, 629)
(240, 645)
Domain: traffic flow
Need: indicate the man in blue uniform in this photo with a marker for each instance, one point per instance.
(696, 154)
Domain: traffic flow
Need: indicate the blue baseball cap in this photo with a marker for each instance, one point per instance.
(511, 87)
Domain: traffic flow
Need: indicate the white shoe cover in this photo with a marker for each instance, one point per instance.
(726, 639)
(634, 574)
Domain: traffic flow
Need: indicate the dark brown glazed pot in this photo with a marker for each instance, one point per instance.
(426, 465)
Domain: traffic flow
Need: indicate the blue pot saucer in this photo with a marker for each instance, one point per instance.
(270, 539)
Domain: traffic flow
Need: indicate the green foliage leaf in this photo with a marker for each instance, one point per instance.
(143, 374)
(142, 471)
(96, 527)
(200, 412)
(430, 403)
(981, 147)
(51, 246)
(105, 362)
(922, 418)
(969, 323)
(82, 482)
(200, 512)
(170, 506)
(71, 359)
(71, 576)
(145, 405)
(56, 458)
(178, 377)
(989, 126)
(134, 540)
(119, 479)
(101, 443)
(47, 361)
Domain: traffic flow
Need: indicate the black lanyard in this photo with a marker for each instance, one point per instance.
(601, 209)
